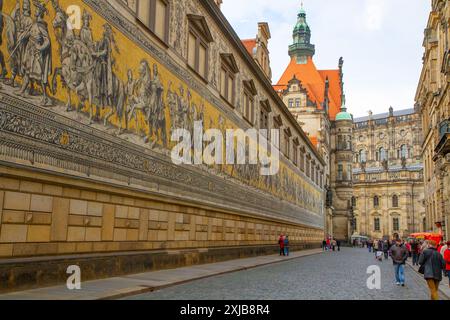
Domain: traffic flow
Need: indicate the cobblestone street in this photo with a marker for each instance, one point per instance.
(332, 275)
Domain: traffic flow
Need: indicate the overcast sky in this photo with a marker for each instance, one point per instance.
(380, 40)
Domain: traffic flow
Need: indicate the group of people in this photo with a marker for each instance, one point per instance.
(432, 259)
(283, 242)
(331, 244)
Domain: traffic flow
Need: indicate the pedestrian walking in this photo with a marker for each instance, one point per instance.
(328, 244)
(399, 255)
(386, 249)
(445, 247)
(408, 247)
(324, 245)
(281, 244)
(338, 243)
(415, 252)
(432, 264)
(286, 245)
(333, 244)
(447, 261)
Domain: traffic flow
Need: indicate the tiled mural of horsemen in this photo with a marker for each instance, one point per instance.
(29, 48)
(87, 67)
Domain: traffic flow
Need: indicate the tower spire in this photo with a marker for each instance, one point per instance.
(302, 49)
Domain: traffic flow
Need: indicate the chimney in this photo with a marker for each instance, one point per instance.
(218, 2)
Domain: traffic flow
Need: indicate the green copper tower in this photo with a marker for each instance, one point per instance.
(302, 49)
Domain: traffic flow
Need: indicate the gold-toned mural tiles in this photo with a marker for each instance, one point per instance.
(98, 72)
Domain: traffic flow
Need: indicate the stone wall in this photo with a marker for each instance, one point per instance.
(40, 217)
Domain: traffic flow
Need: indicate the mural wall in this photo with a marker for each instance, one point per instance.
(101, 77)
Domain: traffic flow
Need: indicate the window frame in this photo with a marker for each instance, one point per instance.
(376, 224)
(249, 93)
(152, 23)
(395, 224)
(202, 38)
(228, 65)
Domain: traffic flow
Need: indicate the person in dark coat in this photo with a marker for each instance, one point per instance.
(432, 265)
(386, 249)
(399, 255)
(338, 243)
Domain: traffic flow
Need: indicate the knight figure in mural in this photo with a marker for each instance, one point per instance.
(18, 26)
(37, 55)
(155, 113)
(76, 62)
(140, 100)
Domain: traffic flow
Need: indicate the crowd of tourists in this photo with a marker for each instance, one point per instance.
(433, 259)
(331, 244)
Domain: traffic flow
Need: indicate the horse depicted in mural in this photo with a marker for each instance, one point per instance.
(77, 64)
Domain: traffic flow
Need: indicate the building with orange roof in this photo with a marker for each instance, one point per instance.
(316, 99)
(258, 48)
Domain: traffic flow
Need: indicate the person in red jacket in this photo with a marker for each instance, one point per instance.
(281, 243)
(447, 261)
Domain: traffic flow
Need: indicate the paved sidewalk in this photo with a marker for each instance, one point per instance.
(443, 287)
(119, 287)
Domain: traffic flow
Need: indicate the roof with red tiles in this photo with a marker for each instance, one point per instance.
(313, 81)
(249, 44)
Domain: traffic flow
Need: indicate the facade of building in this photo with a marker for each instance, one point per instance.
(433, 104)
(315, 98)
(388, 186)
(374, 157)
(85, 140)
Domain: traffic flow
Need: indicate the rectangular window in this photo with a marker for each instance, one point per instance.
(302, 160)
(197, 54)
(161, 19)
(396, 224)
(202, 60)
(192, 45)
(349, 172)
(291, 103)
(227, 83)
(377, 224)
(295, 155)
(287, 145)
(308, 168)
(249, 107)
(154, 14)
(340, 172)
(297, 103)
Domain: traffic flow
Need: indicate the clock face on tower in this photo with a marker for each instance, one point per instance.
(382, 135)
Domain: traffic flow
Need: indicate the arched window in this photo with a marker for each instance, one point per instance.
(376, 201)
(395, 201)
(404, 151)
(362, 156)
